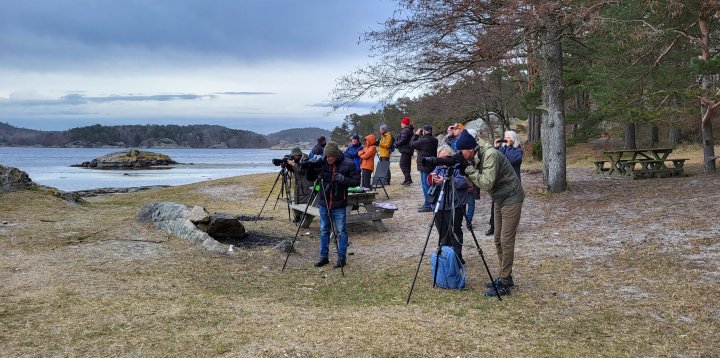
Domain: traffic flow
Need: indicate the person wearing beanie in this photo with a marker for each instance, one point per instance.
(352, 151)
(457, 128)
(406, 151)
(473, 194)
(492, 172)
(426, 146)
(368, 160)
(318, 148)
(512, 150)
(336, 175)
(302, 188)
(385, 148)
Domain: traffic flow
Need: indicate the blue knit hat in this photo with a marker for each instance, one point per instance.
(356, 136)
(465, 141)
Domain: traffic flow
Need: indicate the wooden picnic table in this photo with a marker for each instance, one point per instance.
(650, 162)
(356, 201)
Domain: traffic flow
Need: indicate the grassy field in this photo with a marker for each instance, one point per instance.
(608, 268)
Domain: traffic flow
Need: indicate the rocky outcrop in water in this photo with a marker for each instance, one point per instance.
(128, 159)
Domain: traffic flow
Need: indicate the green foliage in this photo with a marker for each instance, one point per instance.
(537, 150)
(297, 135)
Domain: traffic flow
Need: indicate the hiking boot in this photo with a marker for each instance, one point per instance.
(407, 182)
(501, 289)
(490, 231)
(425, 209)
(323, 261)
(498, 282)
(340, 263)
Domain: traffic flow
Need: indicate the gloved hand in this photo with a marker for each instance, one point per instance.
(339, 178)
(459, 159)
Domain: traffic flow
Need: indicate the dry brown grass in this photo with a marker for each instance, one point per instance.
(610, 267)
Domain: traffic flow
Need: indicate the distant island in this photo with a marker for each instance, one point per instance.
(158, 136)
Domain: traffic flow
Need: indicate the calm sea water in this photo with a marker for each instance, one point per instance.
(51, 166)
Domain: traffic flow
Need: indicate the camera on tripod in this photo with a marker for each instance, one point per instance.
(435, 161)
(278, 162)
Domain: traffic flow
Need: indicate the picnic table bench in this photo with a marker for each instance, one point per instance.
(356, 201)
(640, 163)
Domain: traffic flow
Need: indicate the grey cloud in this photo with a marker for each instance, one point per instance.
(79, 99)
(244, 93)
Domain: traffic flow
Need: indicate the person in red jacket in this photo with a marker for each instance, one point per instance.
(367, 165)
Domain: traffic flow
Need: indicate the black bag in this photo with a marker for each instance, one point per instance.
(433, 193)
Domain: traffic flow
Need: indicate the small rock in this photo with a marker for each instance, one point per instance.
(5, 222)
(285, 246)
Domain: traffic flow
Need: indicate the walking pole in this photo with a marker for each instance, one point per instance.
(302, 219)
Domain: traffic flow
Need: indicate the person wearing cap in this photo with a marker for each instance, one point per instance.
(492, 172)
(303, 188)
(368, 160)
(319, 147)
(352, 151)
(426, 146)
(457, 128)
(384, 145)
(510, 147)
(336, 174)
(406, 151)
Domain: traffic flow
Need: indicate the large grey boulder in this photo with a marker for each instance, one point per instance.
(12, 179)
(174, 218)
(225, 227)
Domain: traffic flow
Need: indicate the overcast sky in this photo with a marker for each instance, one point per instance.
(260, 65)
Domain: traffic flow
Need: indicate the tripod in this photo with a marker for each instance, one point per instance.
(333, 232)
(284, 188)
(444, 200)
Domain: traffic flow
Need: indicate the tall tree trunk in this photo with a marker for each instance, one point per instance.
(654, 136)
(629, 136)
(533, 127)
(552, 131)
(674, 136)
(707, 107)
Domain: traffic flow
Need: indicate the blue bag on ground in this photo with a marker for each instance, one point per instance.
(451, 272)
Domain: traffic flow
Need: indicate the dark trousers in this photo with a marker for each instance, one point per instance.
(387, 180)
(492, 215)
(405, 160)
(365, 175)
(442, 223)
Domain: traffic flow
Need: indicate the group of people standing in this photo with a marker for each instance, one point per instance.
(478, 165)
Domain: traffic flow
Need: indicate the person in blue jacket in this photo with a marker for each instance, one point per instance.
(352, 151)
(510, 146)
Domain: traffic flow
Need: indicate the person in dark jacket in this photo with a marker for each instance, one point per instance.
(336, 174)
(510, 147)
(449, 217)
(352, 151)
(426, 146)
(319, 147)
(402, 143)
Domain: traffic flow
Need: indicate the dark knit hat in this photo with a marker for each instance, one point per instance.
(356, 136)
(332, 150)
(427, 128)
(296, 151)
(405, 121)
(321, 139)
(465, 141)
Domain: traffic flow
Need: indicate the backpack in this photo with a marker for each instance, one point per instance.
(451, 273)
(392, 143)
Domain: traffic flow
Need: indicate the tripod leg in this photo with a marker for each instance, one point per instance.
(268, 197)
(292, 245)
(480, 251)
(422, 254)
(333, 229)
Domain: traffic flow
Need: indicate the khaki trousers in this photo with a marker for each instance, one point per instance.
(507, 219)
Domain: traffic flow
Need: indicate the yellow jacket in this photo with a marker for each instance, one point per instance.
(384, 145)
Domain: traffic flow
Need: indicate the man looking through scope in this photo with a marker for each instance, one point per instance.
(492, 172)
(336, 175)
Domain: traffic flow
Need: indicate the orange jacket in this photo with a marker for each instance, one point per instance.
(368, 154)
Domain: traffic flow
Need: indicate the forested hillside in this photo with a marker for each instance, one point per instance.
(298, 135)
(195, 136)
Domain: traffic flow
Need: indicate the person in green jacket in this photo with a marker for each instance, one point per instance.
(492, 172)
